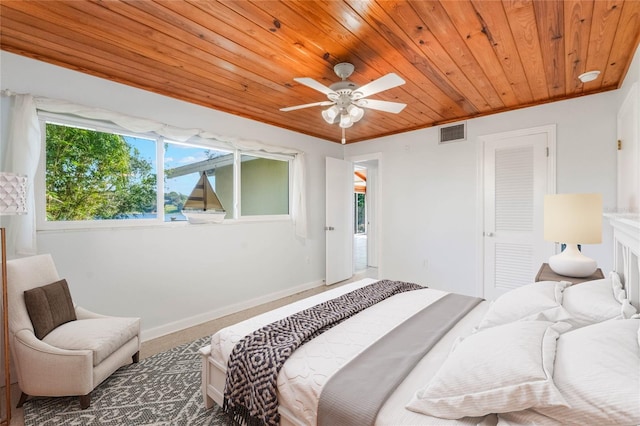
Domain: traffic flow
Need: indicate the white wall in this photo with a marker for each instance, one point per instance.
(629, 155)
(633, 76)
(429, 191)
(176, 276)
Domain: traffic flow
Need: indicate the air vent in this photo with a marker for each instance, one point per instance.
(455, 133)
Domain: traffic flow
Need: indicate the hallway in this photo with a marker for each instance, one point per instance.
(359, 252)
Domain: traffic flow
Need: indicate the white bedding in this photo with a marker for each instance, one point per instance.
(597, 365)
(303, 375)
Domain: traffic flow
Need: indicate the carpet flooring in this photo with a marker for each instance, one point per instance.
(162, 390)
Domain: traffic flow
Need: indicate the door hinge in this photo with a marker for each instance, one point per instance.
(619, 145)
(547, 151)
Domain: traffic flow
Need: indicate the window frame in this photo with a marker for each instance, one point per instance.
(42, 224)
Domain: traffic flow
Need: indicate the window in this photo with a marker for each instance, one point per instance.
(184, 164)
(96, 174)
(264, 186)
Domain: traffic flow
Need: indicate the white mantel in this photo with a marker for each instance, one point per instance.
(629, 222)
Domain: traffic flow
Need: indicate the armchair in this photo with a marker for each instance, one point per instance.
(74, 357)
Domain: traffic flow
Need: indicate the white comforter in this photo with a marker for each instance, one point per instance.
(301, 379)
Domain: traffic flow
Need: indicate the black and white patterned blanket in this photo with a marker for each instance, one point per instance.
(253, 366)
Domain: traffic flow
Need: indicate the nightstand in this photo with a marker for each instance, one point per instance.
(546, 274)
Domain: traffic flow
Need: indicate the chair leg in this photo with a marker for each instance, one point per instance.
(136, 357)
(23, 399)
(85, 401)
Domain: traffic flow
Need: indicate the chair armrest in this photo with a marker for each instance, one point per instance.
(46, 370)
(82, 313)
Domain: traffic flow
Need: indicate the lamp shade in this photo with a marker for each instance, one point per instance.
(13, 201)
(13, 193)
(573, 219)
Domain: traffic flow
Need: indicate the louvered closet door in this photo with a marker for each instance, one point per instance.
(515, 181)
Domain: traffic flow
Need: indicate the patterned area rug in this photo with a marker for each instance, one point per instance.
(162, 390)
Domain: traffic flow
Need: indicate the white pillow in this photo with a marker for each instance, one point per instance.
(597, 370)
(500, 369)
(537, 301)
(596, 301)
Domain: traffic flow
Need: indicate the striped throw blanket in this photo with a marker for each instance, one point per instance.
(252, 370)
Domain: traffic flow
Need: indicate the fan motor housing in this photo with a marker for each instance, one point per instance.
(343, 85)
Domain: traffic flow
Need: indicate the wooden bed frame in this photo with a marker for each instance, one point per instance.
(213, 379)
(626, 263)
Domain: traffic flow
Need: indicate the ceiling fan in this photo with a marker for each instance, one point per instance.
(346, 99)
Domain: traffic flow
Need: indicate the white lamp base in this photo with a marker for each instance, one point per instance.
(572, 263)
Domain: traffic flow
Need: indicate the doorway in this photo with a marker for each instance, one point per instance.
(366, 207)
(360, 222)
(340, 226)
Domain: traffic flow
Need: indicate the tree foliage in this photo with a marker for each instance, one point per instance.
(174, 201)
(360, 213)
(95, 175)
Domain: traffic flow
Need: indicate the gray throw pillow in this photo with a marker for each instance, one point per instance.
(49, 306)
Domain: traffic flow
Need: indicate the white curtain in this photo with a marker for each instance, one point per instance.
(141, 125)
(299, 207)
(22, 156)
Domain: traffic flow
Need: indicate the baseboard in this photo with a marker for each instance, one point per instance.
(182, 324)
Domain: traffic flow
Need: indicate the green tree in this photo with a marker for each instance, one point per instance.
(360, 211)
(174, 201)
(95, 175)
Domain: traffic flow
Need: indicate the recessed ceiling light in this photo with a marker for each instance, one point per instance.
(589, 76)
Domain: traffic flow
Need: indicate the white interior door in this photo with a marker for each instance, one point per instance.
(339, 220)
(517, 171)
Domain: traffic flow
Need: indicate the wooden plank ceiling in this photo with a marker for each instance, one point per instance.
(460, 58)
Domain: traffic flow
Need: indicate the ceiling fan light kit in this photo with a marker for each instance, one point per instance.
(355, 113)
(345, 121)
(330, 114)
(346, 99)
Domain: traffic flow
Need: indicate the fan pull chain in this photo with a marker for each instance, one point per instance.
(344, 139)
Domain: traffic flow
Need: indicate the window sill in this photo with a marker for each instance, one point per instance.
(146, 224)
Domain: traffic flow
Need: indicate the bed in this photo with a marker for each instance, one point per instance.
(481, 371)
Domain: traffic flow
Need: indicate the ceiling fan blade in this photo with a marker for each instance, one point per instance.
(385, 82)
(323, 103)
(386, 106)
(309, 82)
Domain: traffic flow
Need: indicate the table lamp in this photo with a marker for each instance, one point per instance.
(573, 219)
(13, 188)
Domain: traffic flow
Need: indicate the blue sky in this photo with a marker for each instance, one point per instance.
(175, 155)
